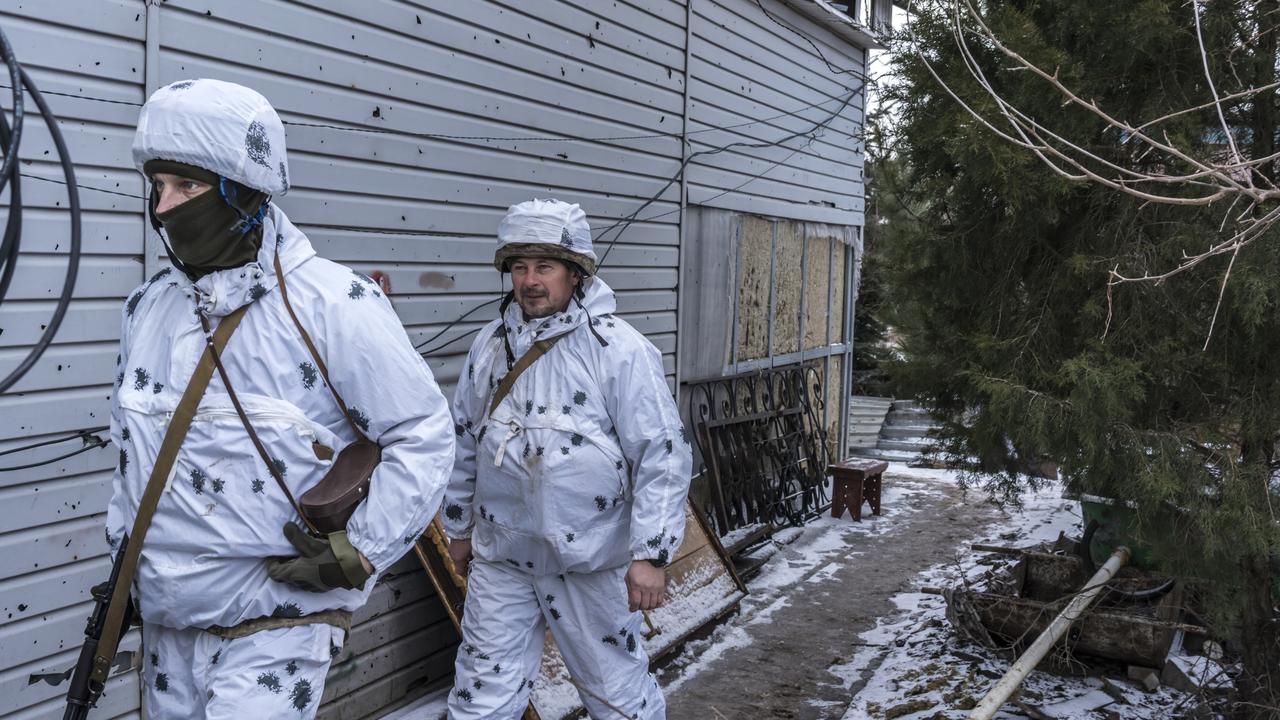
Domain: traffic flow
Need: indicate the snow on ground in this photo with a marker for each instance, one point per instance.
(914, 667)
(811, 553)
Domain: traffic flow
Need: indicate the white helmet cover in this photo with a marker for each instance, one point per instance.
(545, 228)
(220, 126)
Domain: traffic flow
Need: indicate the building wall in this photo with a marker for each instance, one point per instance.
(748, 64)
(465, 108)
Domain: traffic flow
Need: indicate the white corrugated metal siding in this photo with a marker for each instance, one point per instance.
(51, 540)
(466, 107)
(744, 67)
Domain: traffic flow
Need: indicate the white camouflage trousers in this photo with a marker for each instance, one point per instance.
(267, 675)
(504, 625)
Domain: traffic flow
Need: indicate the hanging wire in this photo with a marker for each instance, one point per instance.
(626, 222)
(10, 139)
(89, 437)
(87, 432)
(622, 224)
(481, 138)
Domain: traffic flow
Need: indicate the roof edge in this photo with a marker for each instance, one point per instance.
(826, 15)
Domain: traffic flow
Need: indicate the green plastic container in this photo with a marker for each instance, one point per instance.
(1118, 524)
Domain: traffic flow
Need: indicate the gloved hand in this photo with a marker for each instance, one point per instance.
(324, 564)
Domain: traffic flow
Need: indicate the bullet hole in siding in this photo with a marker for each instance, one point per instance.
(662, 119)
(97, 62)
(419, 151)
(208, 13)
(415, 17)
(563, 156)
(668, 73)
(561, 72)
(496, 41)
(137, 17)
(597, 24)
(22, 607)
(590, 40)
(377, 111)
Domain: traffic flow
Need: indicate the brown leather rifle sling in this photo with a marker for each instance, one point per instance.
(179, 424)
(253, 436)
(539, 349)
(315, 354)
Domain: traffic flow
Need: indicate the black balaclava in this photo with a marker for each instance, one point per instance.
(215, 230)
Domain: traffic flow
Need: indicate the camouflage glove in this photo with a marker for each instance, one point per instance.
(327, 563)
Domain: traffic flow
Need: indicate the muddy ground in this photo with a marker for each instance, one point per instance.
(806, 609)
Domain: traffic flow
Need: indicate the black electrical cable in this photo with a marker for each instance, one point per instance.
(621, 225)
(464, 316)
(77, 434)
(11, 139)
(836, 69)
(11, 245)
(482, 138)
(19, 110)
(89, 445)
(702, 153)
(15, 208)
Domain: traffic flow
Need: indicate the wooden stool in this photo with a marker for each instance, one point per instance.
(852, 482)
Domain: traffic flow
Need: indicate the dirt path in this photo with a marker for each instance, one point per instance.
(811, 600)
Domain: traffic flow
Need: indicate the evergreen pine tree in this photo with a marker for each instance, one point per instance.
(1000, 288)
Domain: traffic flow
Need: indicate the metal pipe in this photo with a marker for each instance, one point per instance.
(682, 250)
(152, 253)
(773, 289)
(804, 279)
(1034, 654)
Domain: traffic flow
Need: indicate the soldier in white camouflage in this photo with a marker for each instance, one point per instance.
(570, 492)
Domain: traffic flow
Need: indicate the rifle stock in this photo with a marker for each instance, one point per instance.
(84, 691)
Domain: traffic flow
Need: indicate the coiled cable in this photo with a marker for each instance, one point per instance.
(10, 140)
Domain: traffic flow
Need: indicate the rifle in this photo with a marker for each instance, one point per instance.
(84, 690)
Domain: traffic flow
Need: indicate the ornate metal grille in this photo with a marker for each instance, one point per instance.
(762, 443)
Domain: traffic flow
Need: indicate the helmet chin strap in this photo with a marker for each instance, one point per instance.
(164, 239)
(579, 293)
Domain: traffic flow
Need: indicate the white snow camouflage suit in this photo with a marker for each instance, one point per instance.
(222, 513)
(581, 469)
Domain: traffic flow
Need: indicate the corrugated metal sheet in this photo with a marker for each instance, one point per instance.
(474, 69)
(413, 124)
(745, 67)
(51, 542)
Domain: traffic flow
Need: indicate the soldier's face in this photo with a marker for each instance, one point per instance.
(175, 190)
(543, 286)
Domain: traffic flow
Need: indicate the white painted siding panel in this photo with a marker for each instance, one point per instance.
(51, 541)
(464, 108)
(746, 67)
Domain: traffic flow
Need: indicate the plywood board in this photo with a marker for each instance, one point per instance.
(834, 385)
(837, 300)
(816, 284)
(787, 285)
(755, 247)
(701, 587)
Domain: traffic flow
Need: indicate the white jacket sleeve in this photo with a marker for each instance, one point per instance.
(116, 507)
(392, 395)
(468, 412)
(655, 445)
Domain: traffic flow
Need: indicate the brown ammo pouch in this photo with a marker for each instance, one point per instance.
(330, 503)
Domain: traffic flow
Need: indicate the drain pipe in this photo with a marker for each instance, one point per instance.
(1052, 634)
